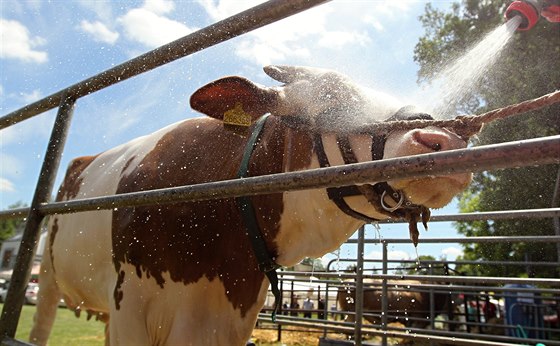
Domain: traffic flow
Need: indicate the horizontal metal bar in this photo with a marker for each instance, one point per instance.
(16, 213)
(490, 215)
(475, 279)
(408, 333)
(501, 239)
(477, 216)
(221, 31)
(438, 263)
(437, 278)
(456, 287)
(512, 154)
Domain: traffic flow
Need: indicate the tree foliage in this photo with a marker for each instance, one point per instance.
(8, 227)
(529, 68)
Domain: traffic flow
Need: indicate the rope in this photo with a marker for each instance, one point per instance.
(469, 125)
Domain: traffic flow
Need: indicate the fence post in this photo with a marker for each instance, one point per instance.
(24, 260)
(556, 220)
(359, 297)
(384, 295)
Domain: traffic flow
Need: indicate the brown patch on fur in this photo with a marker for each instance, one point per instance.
(68, 190)
(206, 238)
(72, 181)
(52, 236)
(118, 293)
(298, 150)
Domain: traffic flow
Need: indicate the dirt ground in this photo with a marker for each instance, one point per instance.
(302, 337)
(298, 336)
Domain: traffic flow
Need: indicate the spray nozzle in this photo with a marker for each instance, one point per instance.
(530, 10)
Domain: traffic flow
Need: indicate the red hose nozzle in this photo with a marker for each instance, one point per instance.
(528, 10)
(551, 10)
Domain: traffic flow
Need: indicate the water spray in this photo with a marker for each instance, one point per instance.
(531, 10)
(467, 126)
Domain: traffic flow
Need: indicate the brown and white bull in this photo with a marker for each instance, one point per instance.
(186, 273)
(407, 303)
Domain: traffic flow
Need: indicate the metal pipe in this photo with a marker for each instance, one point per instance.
(556, 218)
(503, 263)
(512, 154)
(489, 215)
(409, 333)
(24, 260)
(384, 296)
(236, 25)
(440, 278)
(477, 216)
(493, 239)
(359, 296)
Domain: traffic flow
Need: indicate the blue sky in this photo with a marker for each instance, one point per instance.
(49, 45)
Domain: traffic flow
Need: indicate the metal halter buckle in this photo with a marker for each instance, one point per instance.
(397, 206)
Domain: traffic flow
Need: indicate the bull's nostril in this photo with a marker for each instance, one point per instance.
(429, 140)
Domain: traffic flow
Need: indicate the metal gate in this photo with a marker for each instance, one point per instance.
(514, 154)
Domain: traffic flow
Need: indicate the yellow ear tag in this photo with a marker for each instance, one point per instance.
(237, 116)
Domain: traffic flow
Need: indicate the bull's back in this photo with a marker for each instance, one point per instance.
(79, 246)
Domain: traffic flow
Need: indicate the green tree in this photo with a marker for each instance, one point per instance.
(529, 68)
(425, 266)
(8, 227)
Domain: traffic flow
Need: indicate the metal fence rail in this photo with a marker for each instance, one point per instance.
(239, 24)
(470, 286)
(514, 154)
(489, 157)
(236, 25)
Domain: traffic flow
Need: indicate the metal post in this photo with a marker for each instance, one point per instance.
(24, 260)
(556, 220)
(236, 25)
(432, 303)
(359, 299)
(282, 311)
(326, 308)
(384, 295)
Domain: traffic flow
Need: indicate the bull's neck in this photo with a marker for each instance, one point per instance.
(311, 224)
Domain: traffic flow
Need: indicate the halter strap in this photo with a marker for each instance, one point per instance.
(265, 262)
(375, 193)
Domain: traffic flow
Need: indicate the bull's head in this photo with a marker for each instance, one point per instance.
(326, 102)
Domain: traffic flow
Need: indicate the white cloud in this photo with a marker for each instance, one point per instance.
(374, 22)
(160, 7)
(10, 166)
(338, 39)
(102, 9)
(451, 252)
(99, 31)
(391, 255)
(16, 43)
(6, 185)
(30, 97)
(313, 33)
(149, 26)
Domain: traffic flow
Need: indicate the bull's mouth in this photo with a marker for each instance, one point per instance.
(433, 192)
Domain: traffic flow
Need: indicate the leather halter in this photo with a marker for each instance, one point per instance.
(266, 263)
(375, 194)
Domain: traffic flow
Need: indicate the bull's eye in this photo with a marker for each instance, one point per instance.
(436, 147)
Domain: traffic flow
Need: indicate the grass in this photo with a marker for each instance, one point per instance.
(67, 330)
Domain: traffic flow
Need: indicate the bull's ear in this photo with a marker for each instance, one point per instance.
(235, 100)
(292, 74)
